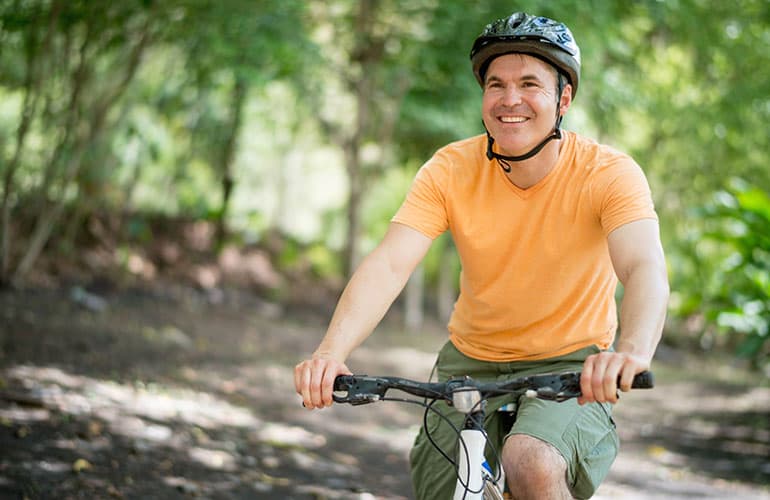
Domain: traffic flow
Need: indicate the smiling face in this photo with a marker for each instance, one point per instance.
(519, 103)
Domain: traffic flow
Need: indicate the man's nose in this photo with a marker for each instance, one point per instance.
(511, 95)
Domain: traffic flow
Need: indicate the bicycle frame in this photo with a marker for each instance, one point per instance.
(473, 441)
(471, 463)
(471, 466)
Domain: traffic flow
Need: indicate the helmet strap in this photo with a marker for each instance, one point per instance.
(503, 159)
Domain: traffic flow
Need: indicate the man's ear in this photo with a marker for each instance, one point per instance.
(566, 99)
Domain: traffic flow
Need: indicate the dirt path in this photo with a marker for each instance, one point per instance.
(162, 394)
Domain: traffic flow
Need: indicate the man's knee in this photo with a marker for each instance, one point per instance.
(532, 465)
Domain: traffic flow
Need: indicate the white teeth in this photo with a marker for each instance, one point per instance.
(512, 119)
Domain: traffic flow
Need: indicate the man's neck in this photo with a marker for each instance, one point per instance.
(527, 173)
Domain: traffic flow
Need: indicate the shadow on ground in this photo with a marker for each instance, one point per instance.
(175, 393)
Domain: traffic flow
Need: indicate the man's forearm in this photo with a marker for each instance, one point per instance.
(364, 302)
(643, 311)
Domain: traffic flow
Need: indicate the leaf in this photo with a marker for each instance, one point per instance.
(80, 465)
(656, 451)
(750, 347)
(95, 428)
(757, 201)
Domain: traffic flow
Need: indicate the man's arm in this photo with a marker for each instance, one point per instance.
(371, 291)
(637, 256)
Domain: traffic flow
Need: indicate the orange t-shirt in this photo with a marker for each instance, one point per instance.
(537, 280)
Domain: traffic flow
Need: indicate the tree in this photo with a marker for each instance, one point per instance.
(80, 60)
(737, 295)
(67, 46)
(232, 47)
(367, 49)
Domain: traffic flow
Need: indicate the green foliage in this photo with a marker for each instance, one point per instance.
(738, 222)
(133, 106)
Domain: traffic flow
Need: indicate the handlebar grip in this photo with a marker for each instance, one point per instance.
(643, 380)
(342, 382)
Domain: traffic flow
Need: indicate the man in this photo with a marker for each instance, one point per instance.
(545, 223)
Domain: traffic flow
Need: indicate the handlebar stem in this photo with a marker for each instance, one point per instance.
(465, 400)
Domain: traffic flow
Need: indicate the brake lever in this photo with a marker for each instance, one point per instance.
(360, 389)
(557, 387)
(560, 387)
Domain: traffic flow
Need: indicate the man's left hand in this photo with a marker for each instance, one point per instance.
(601, 372)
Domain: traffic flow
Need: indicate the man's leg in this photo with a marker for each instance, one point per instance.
(534, 469)
(568, 446)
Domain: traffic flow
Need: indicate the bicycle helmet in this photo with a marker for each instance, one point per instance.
(541, 37)
(534, 35)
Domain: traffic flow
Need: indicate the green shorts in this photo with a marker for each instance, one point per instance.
(584, 435)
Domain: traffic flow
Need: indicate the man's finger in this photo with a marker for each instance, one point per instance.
(626, 379)
(316, 378)
(610, 386)
(305, 379)
(327, 387)
(585, 382)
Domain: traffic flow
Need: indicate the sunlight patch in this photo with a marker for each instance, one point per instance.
(213, 459)
(75, 394)
(137, 428)
(20, 414)
(50, 467)
(182, 484)
(311, 461)
(285, 436)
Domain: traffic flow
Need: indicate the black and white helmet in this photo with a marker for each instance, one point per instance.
(522, 33)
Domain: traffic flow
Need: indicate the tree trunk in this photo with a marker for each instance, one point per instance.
(355, 191)
(237, 99)
(71, 150)
(367, 56)
(32, 84)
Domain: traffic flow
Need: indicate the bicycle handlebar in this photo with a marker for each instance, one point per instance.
(363, 389)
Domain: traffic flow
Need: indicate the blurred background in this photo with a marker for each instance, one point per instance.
(257, 149)
(293, 129)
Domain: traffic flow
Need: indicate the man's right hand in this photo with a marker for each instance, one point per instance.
(314, 380)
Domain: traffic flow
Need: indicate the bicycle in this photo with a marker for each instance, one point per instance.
(475, 478)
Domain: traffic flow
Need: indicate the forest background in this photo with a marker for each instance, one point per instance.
(185, 186)
(287, 133)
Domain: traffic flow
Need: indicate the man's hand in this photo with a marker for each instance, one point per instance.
(314, 380)
(599, 381)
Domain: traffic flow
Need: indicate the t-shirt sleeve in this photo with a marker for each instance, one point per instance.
(424, 208)
(622, 194)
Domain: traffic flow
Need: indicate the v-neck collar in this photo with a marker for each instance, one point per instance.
(566, 146)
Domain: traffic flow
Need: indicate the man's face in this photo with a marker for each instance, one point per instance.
(519, 103)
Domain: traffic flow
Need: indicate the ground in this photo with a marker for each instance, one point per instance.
(172, 392)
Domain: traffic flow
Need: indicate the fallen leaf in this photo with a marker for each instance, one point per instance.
(114, 492)
(80, 465)
(95, 428)
(656, 451)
